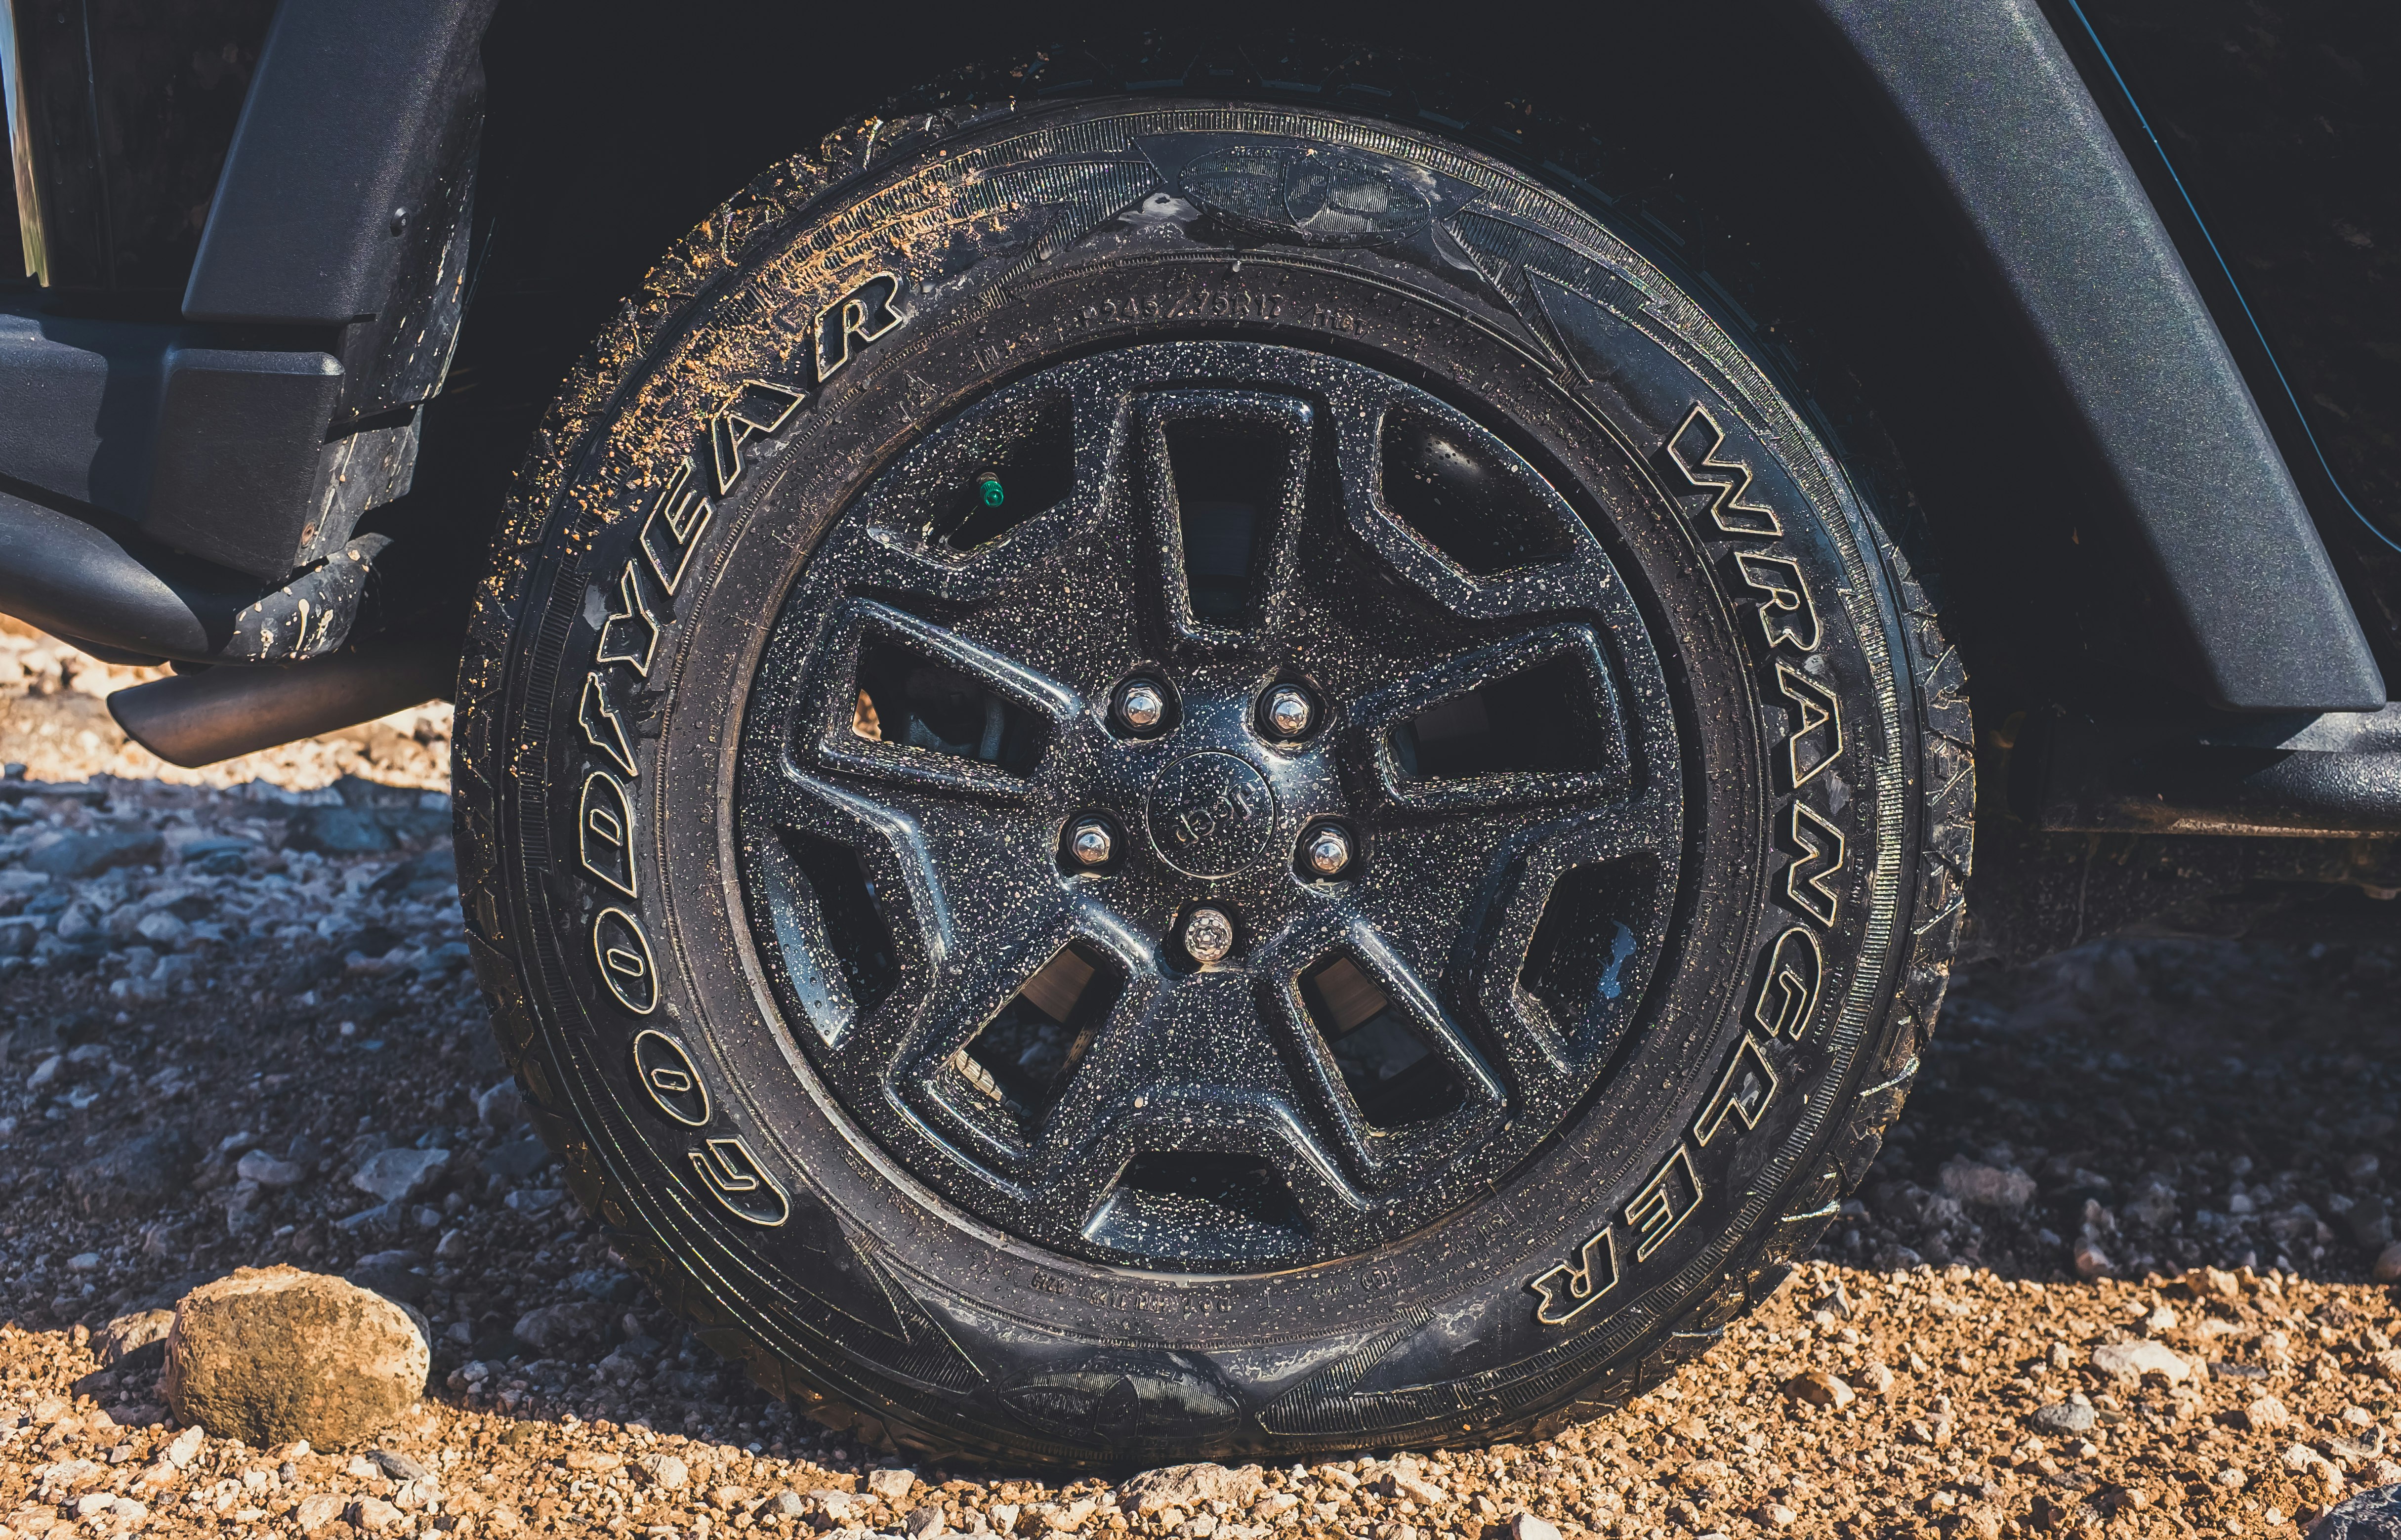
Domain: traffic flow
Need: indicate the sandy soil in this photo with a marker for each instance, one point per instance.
(2112, 1276)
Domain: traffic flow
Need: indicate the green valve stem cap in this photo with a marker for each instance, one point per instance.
(988, 488)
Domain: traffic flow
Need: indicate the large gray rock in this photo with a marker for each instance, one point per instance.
(575, 1330)
(395, 1176)
(1188, 1486)
(134, 1177)
(2370, 1516)
(270, 1354)
(134, 1343)
(101, 849)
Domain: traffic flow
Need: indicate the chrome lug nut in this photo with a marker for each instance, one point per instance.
(1142, 705)
(1090, 844)
(1289, 711)
(1208, 936)
(1328, 851)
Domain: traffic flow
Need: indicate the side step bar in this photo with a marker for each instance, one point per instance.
(218, 713)
(135, 598)
(2337, 773)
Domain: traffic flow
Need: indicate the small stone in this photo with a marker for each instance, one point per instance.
(135, 1343)
(396, 1175)
(1819, 1389)
(2213, 1283)
(317, 1510)
(2388, 1264)
(922, 1522)
(335, 831)
(2091, 1260)
(2065, 1417)
(2386, 1365)
(1776, 1516)
(372, 1514)
(786, 1503)
(519, 1158)
(501, 1105)
(270, 1354)
(2265, 1414)
(183, 1449)
(136, 1177)
(267, 1171)
(1876, 1379)
(1992, 1187)
(534, 1200)
(392, 1275)
(2232, 1476)
(665, 1472)
(2160, 1319)
(2362, 1166)
(558, 1330)
(1189, 1487)
(2134, 1360)
(1524, 1526)
(102, 849)
(891, 1485)
(399, 1467)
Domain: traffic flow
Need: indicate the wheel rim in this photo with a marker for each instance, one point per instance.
(1211, 806)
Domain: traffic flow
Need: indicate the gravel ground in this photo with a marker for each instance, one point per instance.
(2113, 1273)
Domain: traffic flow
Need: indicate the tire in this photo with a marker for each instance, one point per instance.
(1648, 764)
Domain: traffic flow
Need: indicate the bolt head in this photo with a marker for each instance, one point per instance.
(1208, 936)
(1141, 704)
(1090, 844)
(1289, 711)
(1328, 851)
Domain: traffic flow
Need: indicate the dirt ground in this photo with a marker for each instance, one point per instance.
(2112, 1274)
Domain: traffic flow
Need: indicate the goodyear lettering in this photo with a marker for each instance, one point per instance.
(631, 633)
(604, 832)
(603, 728)
(664, 548)
(736, 1179)
(673, 531)
(760, 406)
(624, 953)
(664, 1069)
(861, 315)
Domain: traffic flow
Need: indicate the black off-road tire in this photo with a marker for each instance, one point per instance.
(712, 833)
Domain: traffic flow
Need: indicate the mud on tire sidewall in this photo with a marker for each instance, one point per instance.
(869, 1299)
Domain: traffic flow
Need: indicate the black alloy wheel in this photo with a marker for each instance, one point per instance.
(1239, 529)
(1146, 781)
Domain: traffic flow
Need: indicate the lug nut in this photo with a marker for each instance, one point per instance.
(1288, 711)
(1142, 705)
(1326, 851)
(1208, 936)
(1089, 843)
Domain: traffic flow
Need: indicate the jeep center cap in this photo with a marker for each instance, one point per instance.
(1211, 815)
